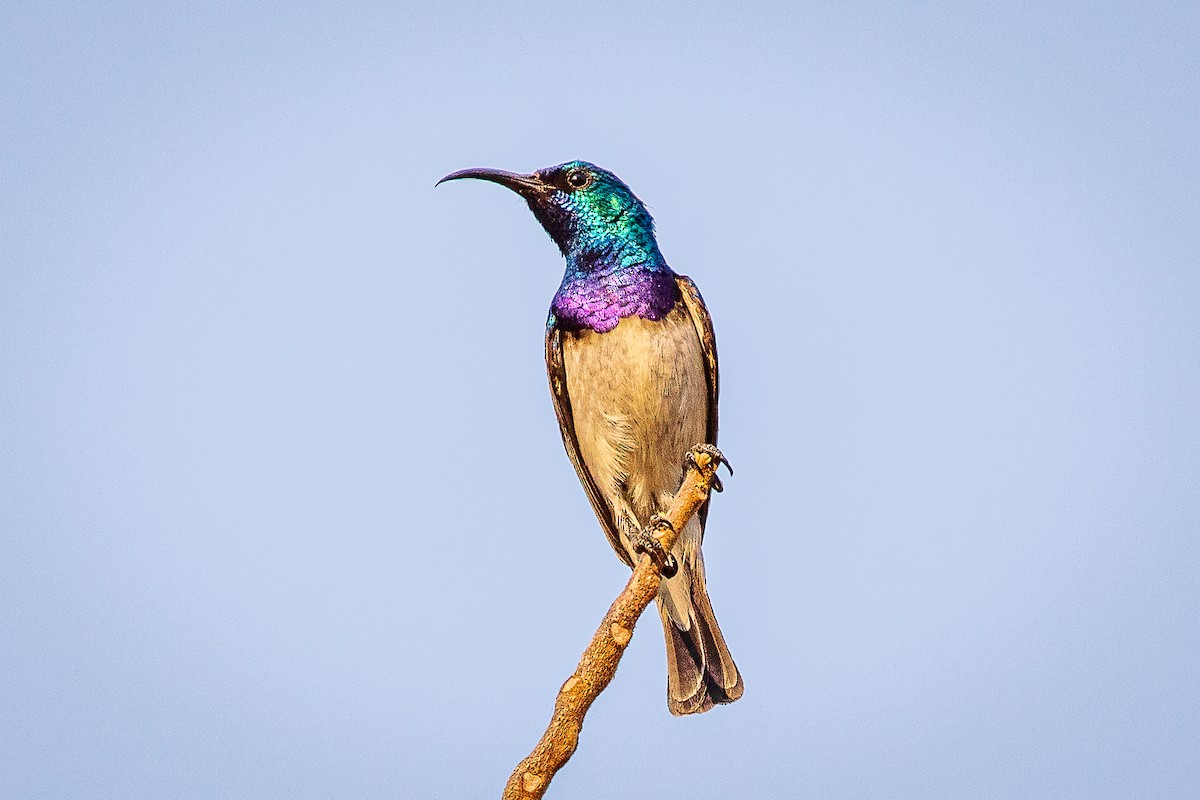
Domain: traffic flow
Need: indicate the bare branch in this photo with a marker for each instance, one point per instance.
(599, 661)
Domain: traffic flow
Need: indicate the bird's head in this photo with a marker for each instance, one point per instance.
(589, 212)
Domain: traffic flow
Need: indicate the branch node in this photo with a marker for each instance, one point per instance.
(620, 634)
(531, 782)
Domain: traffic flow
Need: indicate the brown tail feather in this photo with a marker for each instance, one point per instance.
(700, 671)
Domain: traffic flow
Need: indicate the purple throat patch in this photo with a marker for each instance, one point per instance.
(600, 301)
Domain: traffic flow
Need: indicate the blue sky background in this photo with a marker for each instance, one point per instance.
(283, 506)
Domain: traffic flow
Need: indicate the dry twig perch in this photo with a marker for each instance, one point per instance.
(599, 661)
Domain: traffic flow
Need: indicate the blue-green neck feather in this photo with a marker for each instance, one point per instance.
(614, 267)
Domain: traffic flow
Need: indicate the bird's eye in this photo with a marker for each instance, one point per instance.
(577, 179)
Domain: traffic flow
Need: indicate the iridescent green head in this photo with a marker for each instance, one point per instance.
(589, 212)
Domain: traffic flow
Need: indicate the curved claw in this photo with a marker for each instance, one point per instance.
(645, 542)
(717, 457)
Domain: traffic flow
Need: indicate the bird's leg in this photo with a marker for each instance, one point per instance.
(714, 455)
(645, 541)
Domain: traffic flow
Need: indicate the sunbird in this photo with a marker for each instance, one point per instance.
(632, 362)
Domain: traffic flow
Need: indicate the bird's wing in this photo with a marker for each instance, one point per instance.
(708, 343)
(566, 426)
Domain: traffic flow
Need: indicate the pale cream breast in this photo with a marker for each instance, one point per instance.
(639, 400)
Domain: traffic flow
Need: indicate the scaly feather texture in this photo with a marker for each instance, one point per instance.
(614, 266)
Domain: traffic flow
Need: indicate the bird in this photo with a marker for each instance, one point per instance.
(632, 362)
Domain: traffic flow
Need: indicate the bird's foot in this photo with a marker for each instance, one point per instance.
(644, 541)
(702, 455)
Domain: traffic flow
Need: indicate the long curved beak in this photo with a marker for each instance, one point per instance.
(523, 185)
